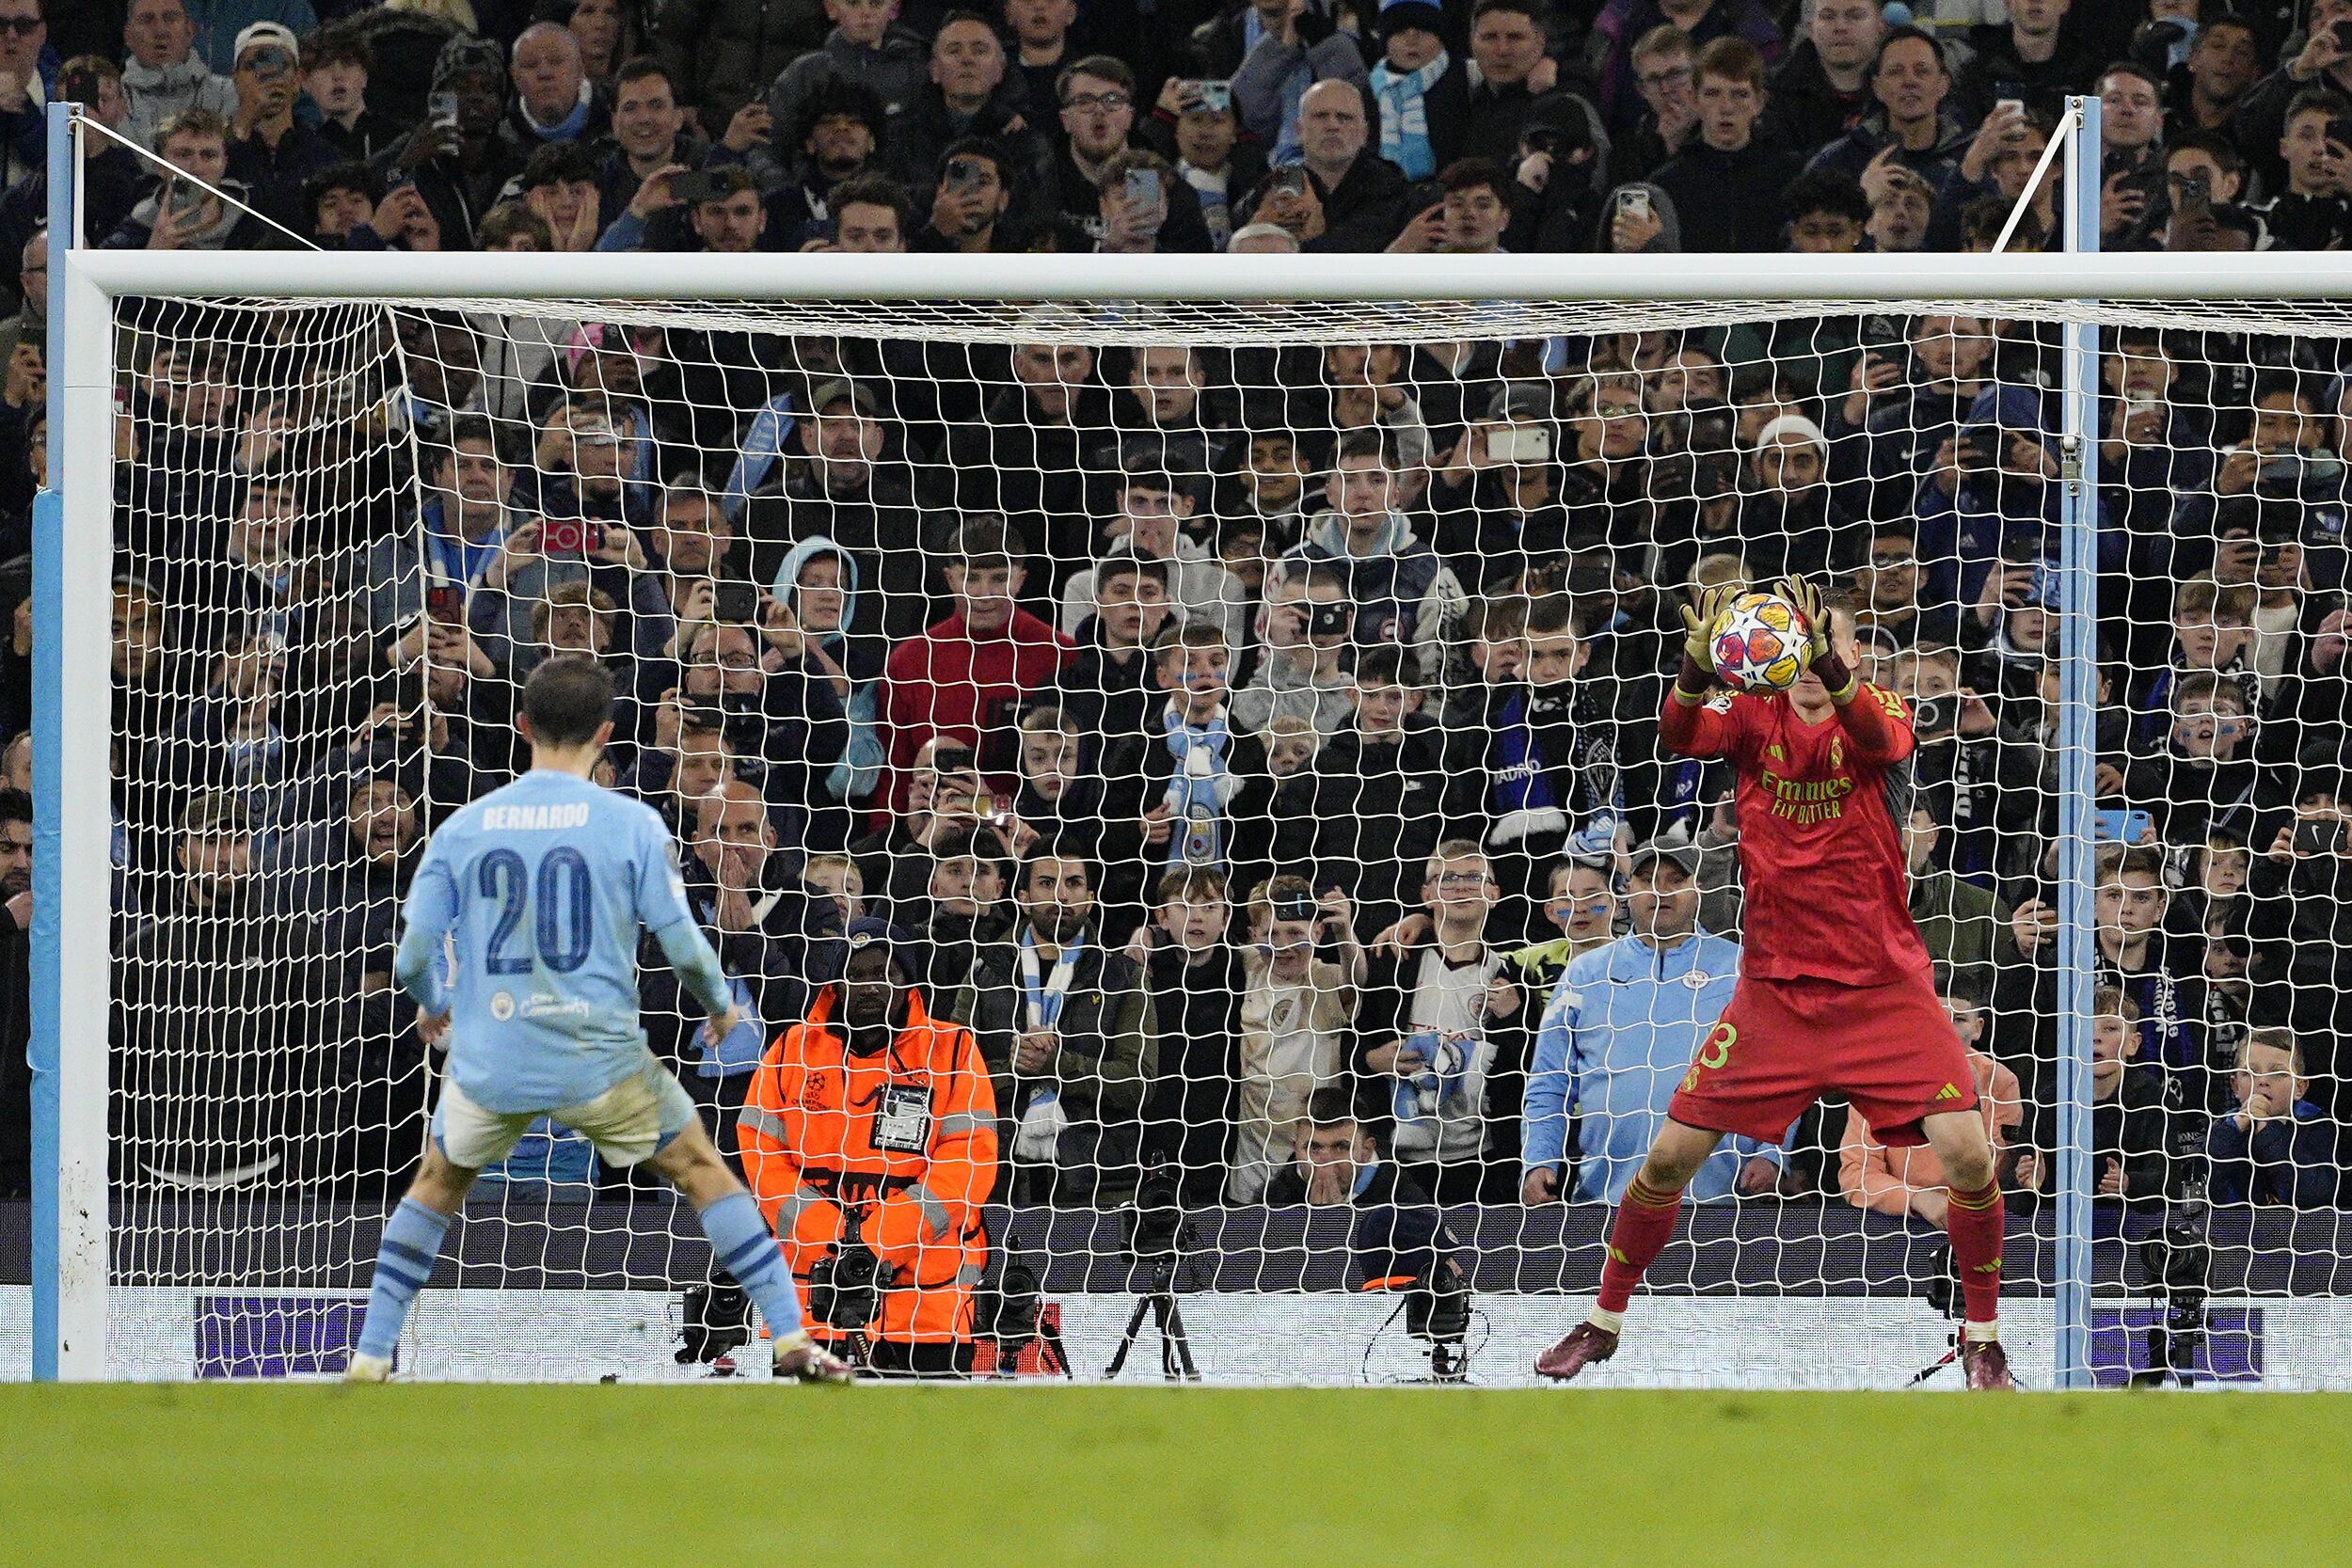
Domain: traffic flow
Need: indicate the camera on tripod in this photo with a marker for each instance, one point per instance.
(2177, 1257)
(1438, 1312)
(1152, 1223)
(845, 1286)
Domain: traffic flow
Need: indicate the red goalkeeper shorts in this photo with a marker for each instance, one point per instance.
(1782, 1044)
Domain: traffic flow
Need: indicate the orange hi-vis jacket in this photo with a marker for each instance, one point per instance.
(905, 1139)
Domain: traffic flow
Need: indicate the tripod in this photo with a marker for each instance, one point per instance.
(1943, 1293)
(1175, 1345)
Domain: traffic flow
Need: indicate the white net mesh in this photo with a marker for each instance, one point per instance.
(1293, 671)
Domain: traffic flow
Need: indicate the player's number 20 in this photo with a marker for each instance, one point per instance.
(562, 891)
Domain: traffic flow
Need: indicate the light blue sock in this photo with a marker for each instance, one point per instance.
(741, 1241)
(412, 1240)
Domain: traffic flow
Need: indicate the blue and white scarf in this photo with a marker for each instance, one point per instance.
(1197, 791)
(1405, 115)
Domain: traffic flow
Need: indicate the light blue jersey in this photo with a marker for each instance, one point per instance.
(544, 885)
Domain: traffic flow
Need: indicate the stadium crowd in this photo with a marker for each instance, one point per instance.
(1222, 727)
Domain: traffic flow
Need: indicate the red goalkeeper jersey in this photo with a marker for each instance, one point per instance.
(1821, 838)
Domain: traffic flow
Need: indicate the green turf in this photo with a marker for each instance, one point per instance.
(258, 1475)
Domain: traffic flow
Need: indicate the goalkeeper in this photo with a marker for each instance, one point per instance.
(544, 884)
(1835, 988)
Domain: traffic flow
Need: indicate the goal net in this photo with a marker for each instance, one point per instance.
(1289, 675)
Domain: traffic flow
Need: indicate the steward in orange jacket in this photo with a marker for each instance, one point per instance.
(884, 1121)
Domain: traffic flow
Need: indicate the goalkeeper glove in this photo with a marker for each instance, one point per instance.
(1808, 599)
(1699, 621)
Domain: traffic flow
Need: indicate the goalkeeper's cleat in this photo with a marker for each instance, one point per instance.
(1585, 1344)
(801, 1360)
(368, 1369)
(1987, 1366)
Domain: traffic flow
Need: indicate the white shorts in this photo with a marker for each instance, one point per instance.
(633, 1120)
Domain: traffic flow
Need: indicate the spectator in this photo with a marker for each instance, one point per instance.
(555, 102)
(1550, 757)
(1469, 219)
(1962, 923)
(1401, 590)
(835, 485)
(2275, 1146)
(1152, 512)
(1301, 49)
(971, 203)
(1422, 89)
(1382, 799)
(1663, 62)
(2310, 211)
(1305, 630)
(1622, 23)
(1212, 159)
(1439, 1023)
(1909, 1182)
(866, 46)
(1510, 69)
(1824, 87)
(2204, 92)
(461, 164)
(964, 908)
(1068, 1031)
(336, 66)
(232, 1083)
(1296, 1009)
(1338, 196)
(1628, 1019)
(181, 211)
(962, 674)
(1181, 780)
(2035, 59)
(1911, 127)
(836, 141)
(1727, 185)
(269, 150)
(1108, 688)
(1194, 971)
(649, 134)
(164, 75)
(966, 98)
(1039, 32)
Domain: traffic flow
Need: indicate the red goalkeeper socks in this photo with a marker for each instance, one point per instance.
(1645, 1222)
(1975, 1222)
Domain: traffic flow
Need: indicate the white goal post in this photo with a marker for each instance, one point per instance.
(1111, 299)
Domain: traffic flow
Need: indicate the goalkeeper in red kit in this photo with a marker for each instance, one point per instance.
(1835, 988)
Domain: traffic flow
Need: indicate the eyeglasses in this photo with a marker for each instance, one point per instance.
(1113, 101)
(23, 27)
(1886, 561)
(1616, 410)
(1672, 77)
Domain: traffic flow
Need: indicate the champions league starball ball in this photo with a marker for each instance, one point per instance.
(1761, 643)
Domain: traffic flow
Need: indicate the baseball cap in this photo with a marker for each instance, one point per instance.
(826, 394)
(862, 933)
(259, 33)
(1682, 854)
(1521, 400)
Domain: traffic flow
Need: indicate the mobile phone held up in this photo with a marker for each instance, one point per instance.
(570, 536)
(735, 603)
(1143, 188)
(445, 602)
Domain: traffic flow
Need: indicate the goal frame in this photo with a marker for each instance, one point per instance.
(73, 532)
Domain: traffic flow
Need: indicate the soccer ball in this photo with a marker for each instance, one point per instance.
(1761, 643)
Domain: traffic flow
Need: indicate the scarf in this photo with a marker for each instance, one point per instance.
(568, 129)
(1405, 115)
(1198, 792)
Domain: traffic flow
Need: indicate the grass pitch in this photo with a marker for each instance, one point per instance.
(257, 1475)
